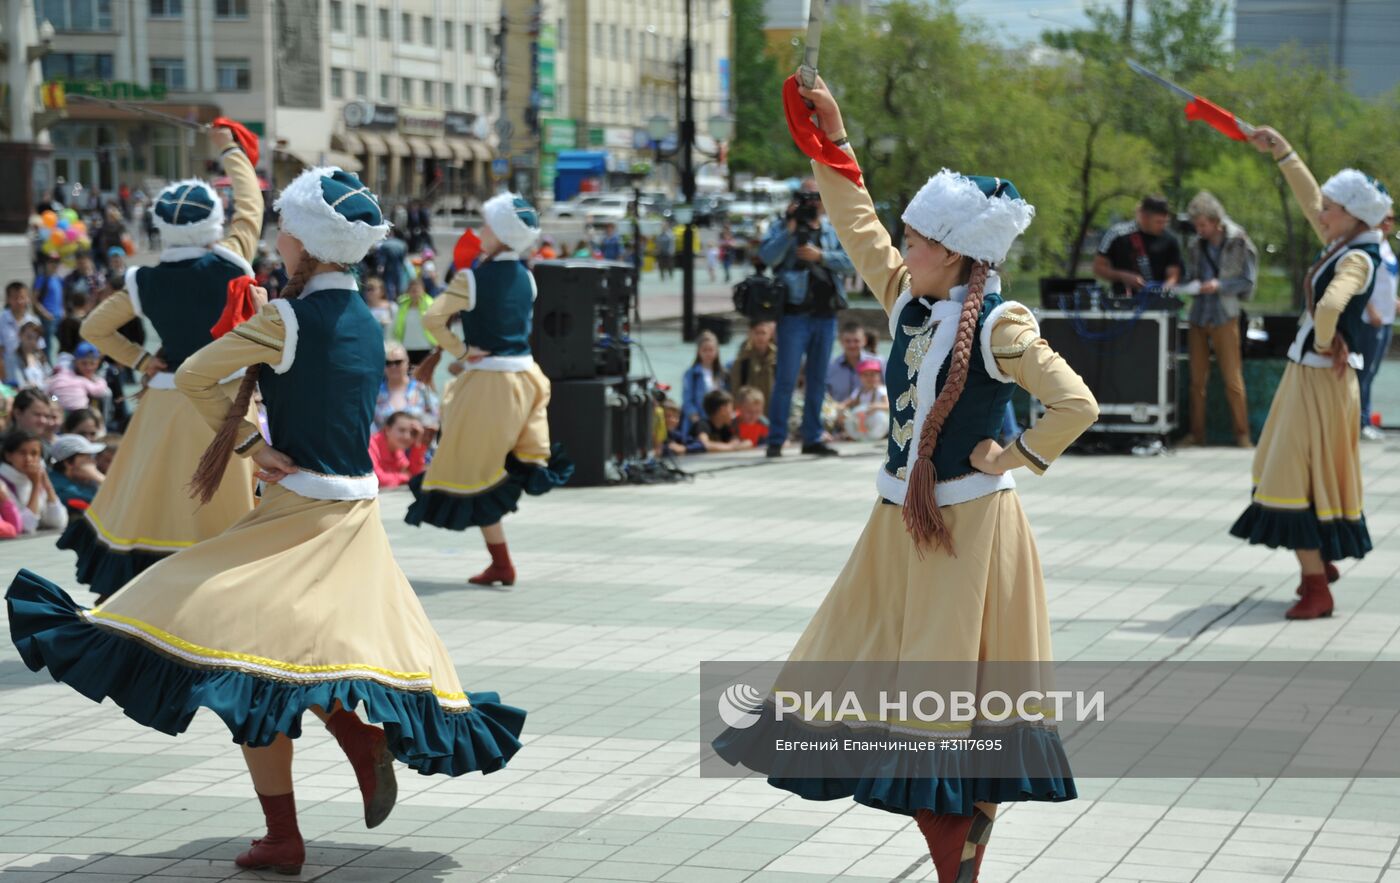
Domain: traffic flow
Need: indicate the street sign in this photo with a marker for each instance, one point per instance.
(504, 129)
(500, 166)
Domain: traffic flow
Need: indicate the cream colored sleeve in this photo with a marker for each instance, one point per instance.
(1353, 273)
(1070, 408)
(100, 330)
(1305, 190)
(246, 227)
(457, 296)
(865, 239)
(258, 341)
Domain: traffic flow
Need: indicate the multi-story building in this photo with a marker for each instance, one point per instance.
(402, 91)
(1355, 36)
(616, 65)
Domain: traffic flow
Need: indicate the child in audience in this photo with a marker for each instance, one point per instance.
(865, 415)
(27, 481)
(74, 473)
(103, 460)
(396, 451)
(77, 385)
(676, 442)
(751, 425)
(715, 432)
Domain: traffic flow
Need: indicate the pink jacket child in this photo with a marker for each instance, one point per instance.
(76, 386)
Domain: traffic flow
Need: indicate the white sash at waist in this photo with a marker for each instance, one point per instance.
(166, 379)
(949, 493)
(502, 363)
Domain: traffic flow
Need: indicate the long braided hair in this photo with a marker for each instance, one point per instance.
(209, 474)
(1337, 245)
(922, 517)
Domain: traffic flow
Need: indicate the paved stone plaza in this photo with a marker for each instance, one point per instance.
(624, 591)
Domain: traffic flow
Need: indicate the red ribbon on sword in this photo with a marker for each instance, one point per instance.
(1198, 108)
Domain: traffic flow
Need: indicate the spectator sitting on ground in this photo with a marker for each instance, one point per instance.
(74, 473)
(23, 473)
(16, 314)
(86, 423)
(31, 364)
(401, 392)
(751, 424)
(379, 305)
(843, 377)
(396, 451)
(116, 263)
(76, 305)
(85, 279)
(716, 431)
(11, 520)
(546, 251)
(103, 460)
(757, 361)
(860, 414)
(583, 250)
(675, 442)
(703, 376)
(77, 386)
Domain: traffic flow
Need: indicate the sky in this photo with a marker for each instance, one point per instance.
(1023, 20)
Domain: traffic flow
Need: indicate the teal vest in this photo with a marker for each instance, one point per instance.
(977, 414)
(320, 411)
(1352, 323)
(183, 300)
(499, 320)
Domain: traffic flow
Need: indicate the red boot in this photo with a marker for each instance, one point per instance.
(1317, 599)
(501, 570)
(282, 850)
(1333, 574)
(368, 751)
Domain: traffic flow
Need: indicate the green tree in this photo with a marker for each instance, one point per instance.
(761, 144)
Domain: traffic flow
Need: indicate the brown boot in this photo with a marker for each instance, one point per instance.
(1317, 600)
(955, 843)
(368, 752)
(500, 569)
(1333, 574)
(282, 850)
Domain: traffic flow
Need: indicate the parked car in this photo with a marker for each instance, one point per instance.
(609, 208)
(576, 207)
(712, 208)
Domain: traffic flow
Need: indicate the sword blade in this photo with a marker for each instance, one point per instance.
(807, 73)
(1161, 80)
(136, 108)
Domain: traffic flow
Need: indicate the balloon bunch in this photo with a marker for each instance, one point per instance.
(63, 234)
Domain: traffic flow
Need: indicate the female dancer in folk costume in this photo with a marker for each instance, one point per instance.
(300, 605)
(1307, 468)
(143, 512)
(495, 427)
(946, 569)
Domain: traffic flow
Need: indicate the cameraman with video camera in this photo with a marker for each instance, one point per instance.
(805, 255)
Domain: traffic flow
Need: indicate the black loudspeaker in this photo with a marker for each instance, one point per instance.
(603, 423)
(582, 326)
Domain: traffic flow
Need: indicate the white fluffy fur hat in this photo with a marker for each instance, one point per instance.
(189, 212)
(514, 221)
(334, 215)
(1362, 196)
(974, 216)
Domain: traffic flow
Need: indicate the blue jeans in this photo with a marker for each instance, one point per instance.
(800, 336)
(1377, 344)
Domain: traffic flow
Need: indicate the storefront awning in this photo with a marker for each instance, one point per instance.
(373, 144)
(306, 157)
(441, 150)
(397, 146)
(461, 150)
(344, 160)
(347, 142)
(482, 150)
(419, 146)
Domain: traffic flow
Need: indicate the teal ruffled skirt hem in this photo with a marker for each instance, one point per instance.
(160, 692)
(100, 567)
(1031, 766)
(462, 511)
(1301, 529)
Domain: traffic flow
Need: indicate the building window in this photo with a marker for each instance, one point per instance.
(76, 15)
(428, 90)
(384, 86)
(488, 99)
(468, 38)
(598, 38)
(168, 72)
(612, 41)
(361, 20)
(384, 28)
(406, 27)
(233, 74)
(338, 16)
(627, 44)
(76, 66)
(427, 30)
(448, 32)
(561, 35)
(597, 100)
(231, 9)
(361, 84)
(449, 94)
(337, 82)
(406, 90)
(467, 99)
(167, 8)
